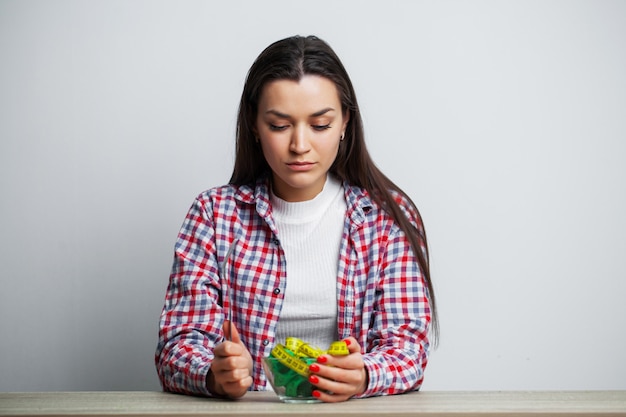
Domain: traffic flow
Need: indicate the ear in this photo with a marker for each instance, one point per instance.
(346, 119)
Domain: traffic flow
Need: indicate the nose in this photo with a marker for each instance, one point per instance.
(300, 141)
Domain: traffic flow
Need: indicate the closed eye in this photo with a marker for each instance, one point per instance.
(276, 128)
(321, 127)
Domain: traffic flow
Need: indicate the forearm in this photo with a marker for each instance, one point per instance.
(398, 338)
(183, 367)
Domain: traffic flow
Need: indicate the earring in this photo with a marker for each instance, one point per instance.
(341, 138)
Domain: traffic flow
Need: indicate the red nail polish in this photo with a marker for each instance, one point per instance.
(322, 359)
(314, 368)
(347, 342)
(317, 394)
(313, 379)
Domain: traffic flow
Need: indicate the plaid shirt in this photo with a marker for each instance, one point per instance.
(381, 293)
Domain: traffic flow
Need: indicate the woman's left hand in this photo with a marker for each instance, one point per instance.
(338, 378)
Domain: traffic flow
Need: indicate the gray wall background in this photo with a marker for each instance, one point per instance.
(506, 122)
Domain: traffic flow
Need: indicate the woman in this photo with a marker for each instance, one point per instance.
(325, 247)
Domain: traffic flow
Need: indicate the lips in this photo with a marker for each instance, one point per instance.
(300, 165)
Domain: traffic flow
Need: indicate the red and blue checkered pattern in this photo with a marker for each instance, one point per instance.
(381, 292)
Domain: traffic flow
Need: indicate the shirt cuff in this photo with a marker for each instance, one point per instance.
(374, 378)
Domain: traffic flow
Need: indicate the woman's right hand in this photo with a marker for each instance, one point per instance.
(231, 370)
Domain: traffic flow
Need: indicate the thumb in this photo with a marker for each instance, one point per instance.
(353, 345)
(228, 328)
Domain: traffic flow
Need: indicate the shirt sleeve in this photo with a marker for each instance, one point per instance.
(191, 321)
(397, 341)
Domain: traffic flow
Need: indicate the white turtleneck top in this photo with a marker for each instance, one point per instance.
(310, 234)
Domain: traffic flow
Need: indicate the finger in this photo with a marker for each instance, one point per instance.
(231, 380)
(235, 336)
(351, 361)
(227, 328)
(237, 388)
(329, 398)
(353, 345)
(232, 375)
(226, 349)
(336, 379)
(236, 358)
(344, 387)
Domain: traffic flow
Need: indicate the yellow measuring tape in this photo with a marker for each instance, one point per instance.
(308, 351)
(297, 355)
(290, 361)
(293, 343)
(338, 349)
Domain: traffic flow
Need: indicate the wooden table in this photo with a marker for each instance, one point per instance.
(266, 404)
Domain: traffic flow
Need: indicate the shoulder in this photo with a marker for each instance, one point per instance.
(408, 208)
(362, 204)
(227, 192)
(231, 198)
(364, 210)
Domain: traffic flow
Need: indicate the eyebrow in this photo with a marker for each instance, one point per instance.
(286, 116)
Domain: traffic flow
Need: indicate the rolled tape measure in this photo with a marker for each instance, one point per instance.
(309, 351)
(338, 348)
(288, 359)
(298, 355)
(291, 368)
(293, 343)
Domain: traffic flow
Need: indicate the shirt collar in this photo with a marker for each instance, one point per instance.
(359, 203)
(358, 200)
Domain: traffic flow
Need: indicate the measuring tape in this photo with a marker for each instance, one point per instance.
(291, 369)
(293, 343)
(286, 358)
(298, 355)
(308, 351)
(338, 348)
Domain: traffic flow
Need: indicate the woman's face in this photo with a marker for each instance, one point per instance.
(299, 126)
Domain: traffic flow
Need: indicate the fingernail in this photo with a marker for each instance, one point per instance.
(314, 368)
(313, 379)
(322, 359)
(347, 342)
(317, 394)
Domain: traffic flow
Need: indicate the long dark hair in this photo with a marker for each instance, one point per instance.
(291, 59)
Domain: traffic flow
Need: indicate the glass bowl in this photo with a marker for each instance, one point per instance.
(289, 385)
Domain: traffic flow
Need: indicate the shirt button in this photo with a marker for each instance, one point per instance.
(276, 291)
(266, 342)
(276, 241)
